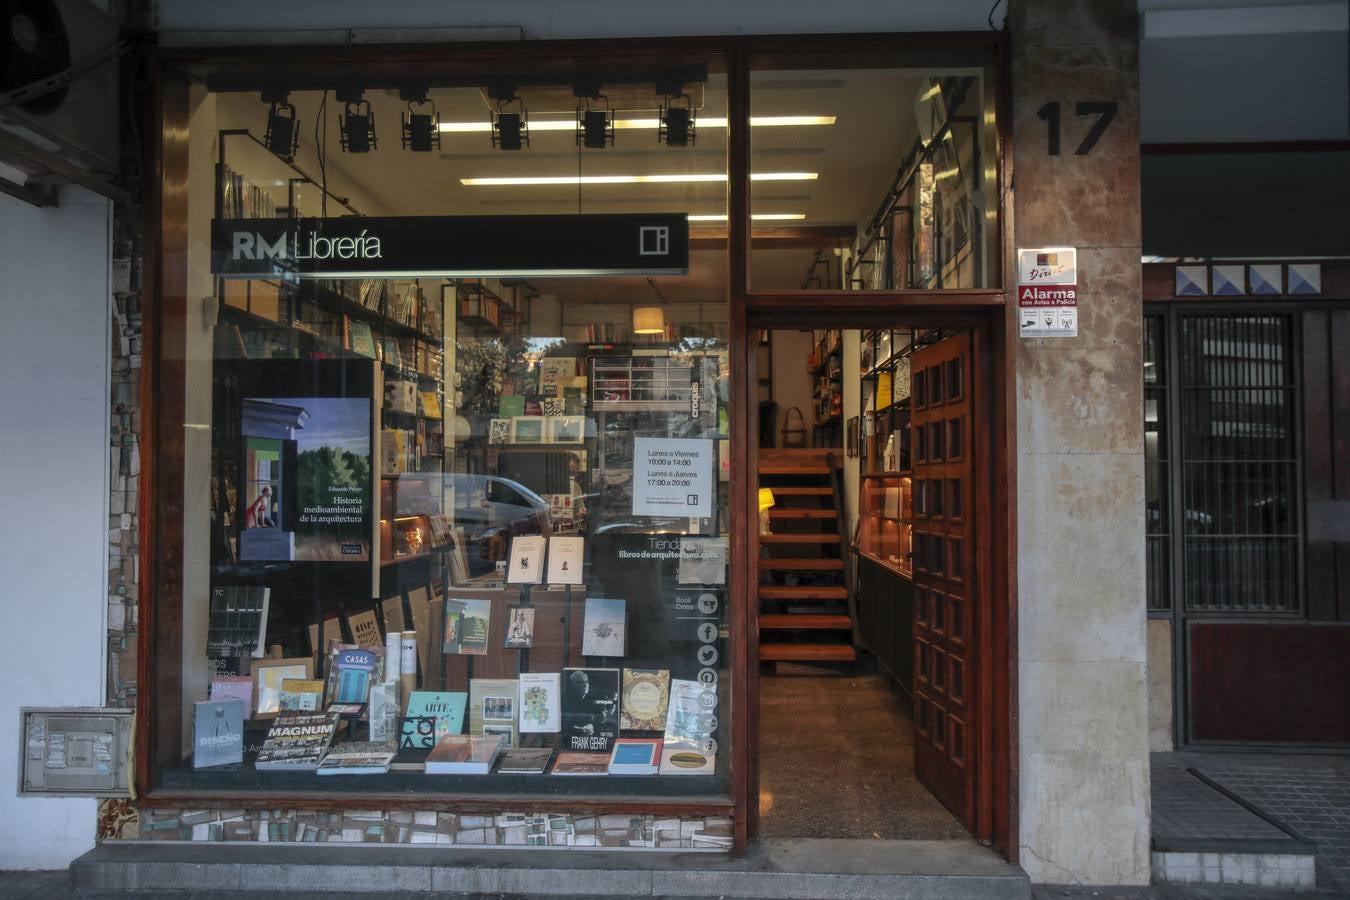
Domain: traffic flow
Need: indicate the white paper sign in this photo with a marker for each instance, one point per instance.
(1047, 292)
(673, 477)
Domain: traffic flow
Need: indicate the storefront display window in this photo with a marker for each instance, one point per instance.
(456, 443)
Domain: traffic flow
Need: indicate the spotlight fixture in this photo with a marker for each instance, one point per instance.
(595, 123)
(510, 130)
(282, 136)
(676, 125)
(421, 122)
(357, 126)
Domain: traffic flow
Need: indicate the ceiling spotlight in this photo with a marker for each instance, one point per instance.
(282, 136)
(676, 125)
(357, 126)
(595, 122)
(510, 130)
(421, 121)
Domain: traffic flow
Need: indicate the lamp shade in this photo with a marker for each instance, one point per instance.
(649, 320)
(765, 498)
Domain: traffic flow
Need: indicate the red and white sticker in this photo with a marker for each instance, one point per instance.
(1047, 292)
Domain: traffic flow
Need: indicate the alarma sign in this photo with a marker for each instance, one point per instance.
(1047, 292)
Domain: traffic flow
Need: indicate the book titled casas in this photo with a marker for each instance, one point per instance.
(217, 733)
(573, 763)
(540, 701)
(646, 694)
(297, 741)
(525, 761)
(590, 709)
(351, 670)
(635, 756)
(356, 758)
(465, 754)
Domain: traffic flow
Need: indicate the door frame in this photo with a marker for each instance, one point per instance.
(994, 467)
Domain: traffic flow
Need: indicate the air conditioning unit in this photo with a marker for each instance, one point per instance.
(76, 124)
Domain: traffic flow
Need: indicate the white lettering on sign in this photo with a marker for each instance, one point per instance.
(254, 246)
(672, 477)
(1047, 292)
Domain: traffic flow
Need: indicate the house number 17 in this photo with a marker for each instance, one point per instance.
(1104, 112)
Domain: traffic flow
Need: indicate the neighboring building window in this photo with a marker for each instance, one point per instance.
(1239, 454)
(1156, 470)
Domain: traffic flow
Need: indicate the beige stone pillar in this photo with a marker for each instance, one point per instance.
(1082, 694)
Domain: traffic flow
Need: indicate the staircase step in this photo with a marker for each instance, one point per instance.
(801, 491)
(817, 652)
(806, 621)
(790, 564)
(802, 514)
(804, 468)
(822, 537)
(802, 592)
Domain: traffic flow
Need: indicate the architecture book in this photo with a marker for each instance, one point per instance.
(476, 626)
(217, 732)
(519, 628)
(237, 622)
(646, 694)
(465, 754)
(357, 758)
(296, 742)
(384, 708)
(693, 707)
(540, 702)
(351, 670)
(604, 627)
(565, 554)
(452, 626)
(683, 758)
(238, 687)
(301, 694)
(590, 709)
(492, 707)
(447, 707)
(525, 761)
(573, 763)
(526, 563)
(635, 756)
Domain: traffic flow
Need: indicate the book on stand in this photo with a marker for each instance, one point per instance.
(465, 754)
(296, 742)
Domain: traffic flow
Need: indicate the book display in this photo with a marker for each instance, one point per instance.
(456, 533)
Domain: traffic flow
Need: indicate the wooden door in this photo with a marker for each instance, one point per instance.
(943, 556)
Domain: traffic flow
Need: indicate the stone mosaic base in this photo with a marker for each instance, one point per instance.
(374, 827)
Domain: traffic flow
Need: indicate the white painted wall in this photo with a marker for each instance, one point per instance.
(792, 380)
(54, 393)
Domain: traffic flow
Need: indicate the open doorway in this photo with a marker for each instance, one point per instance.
(868, 501)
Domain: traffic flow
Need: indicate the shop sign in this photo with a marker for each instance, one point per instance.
(431, 246)
(1047, 292)
(673, 477)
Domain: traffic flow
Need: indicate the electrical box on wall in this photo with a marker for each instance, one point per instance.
(75, 752)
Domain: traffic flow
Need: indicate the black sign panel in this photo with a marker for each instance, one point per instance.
(409, 246)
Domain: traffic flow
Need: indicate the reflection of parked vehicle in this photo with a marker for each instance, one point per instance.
(492, 510)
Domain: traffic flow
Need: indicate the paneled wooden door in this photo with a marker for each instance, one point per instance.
(945, 719)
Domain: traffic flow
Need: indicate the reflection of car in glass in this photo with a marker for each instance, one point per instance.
(492, 510)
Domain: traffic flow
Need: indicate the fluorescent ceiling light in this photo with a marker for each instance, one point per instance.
(631, 179)
(633, 124)
(758, 217)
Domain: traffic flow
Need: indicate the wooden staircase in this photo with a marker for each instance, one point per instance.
(804, 609)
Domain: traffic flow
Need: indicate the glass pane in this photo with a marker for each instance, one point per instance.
(1157, 488)
(1239, 466)
(473, 490)
(885, 173)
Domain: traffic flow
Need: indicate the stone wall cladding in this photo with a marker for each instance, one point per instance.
(426, 827)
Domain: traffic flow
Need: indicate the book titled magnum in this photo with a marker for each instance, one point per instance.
(296, 742)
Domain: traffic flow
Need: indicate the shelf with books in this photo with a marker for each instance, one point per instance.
(884, 520)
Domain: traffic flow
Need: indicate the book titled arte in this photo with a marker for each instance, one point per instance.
(447, 707)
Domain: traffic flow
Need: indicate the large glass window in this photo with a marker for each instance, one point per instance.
(879, 177)
(483, 496)
(1156, 469)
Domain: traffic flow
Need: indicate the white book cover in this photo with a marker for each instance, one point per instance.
(540, 702)
(526, 565)
(565, 555)
(604, 627)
